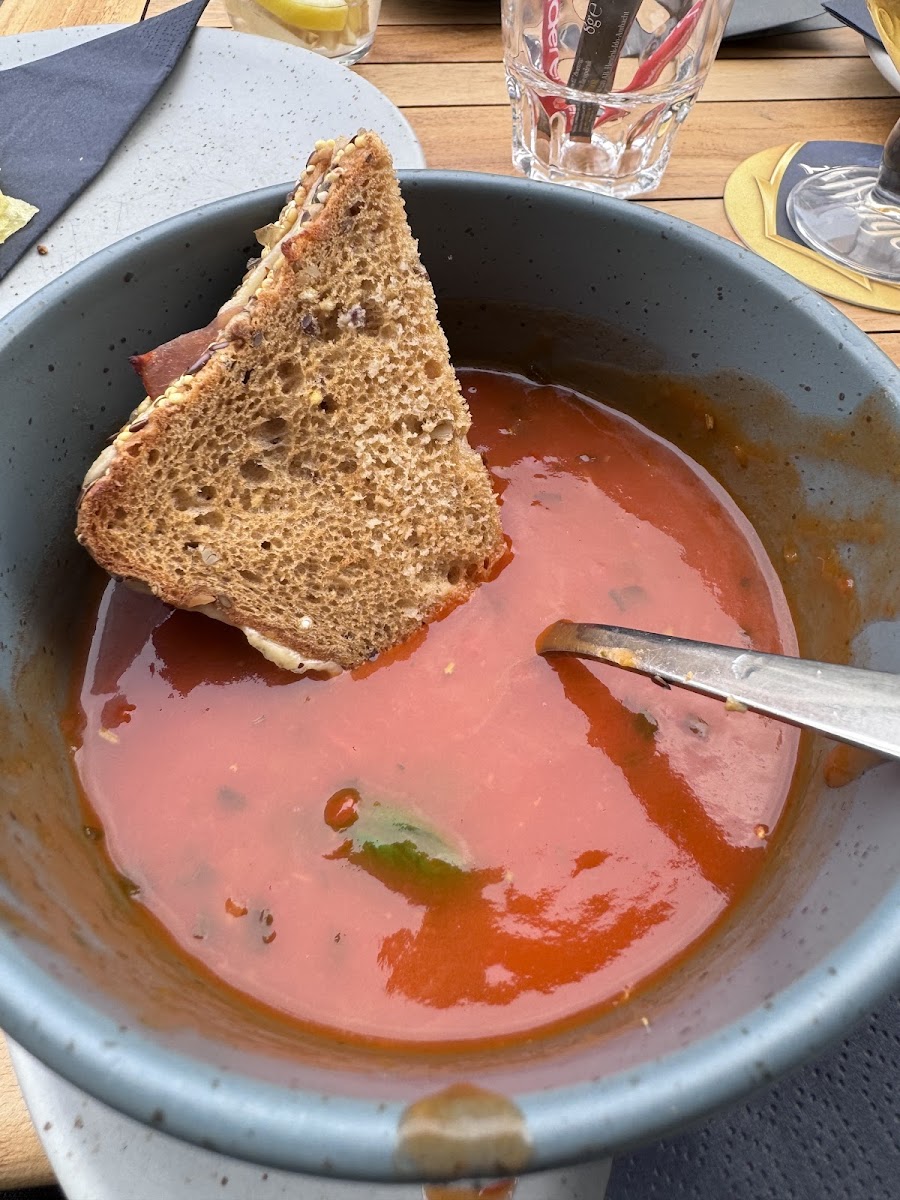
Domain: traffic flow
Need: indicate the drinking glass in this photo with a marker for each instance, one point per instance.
(599, 87)
(852, 214)
(340, 29)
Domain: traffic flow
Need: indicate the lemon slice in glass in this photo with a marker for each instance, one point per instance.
(308, 14)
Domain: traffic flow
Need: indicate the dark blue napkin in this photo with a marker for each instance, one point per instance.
(855, 14)
(828, 1131)
(63, 116)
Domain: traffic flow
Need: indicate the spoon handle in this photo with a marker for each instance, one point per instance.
(848, 704)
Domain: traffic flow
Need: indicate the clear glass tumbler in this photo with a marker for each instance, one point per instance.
(339, 29)
(599, 87)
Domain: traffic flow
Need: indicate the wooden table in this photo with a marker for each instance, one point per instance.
(439, 60)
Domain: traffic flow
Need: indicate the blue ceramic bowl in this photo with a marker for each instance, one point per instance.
(110, 1008)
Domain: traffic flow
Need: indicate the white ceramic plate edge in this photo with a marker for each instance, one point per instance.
(98, 1154)
(180, 153)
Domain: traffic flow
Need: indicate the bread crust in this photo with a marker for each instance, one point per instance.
(310, 482)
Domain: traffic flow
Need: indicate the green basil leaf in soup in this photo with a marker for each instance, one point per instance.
(405, 853)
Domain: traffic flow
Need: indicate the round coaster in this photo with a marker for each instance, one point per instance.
(755, 197)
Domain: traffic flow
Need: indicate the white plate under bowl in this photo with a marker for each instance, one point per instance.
(98, 1154)
(883, 63)
(238, 112)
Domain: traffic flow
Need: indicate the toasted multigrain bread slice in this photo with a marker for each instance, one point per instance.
(308, 479)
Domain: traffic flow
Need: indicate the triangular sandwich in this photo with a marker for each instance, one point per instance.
(300, 467)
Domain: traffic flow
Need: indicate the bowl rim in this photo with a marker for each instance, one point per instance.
(346, 1137)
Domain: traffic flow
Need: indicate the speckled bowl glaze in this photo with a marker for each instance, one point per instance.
(113, 1010)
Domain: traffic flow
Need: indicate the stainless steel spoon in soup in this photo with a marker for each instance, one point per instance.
(849, 704)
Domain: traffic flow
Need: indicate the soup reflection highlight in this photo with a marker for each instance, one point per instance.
(462, 840)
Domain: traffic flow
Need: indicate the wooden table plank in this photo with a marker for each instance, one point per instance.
(475, 84)
(890, 344)
(214, 15)
(396, 15)
(755, 79)
(826, 43)
(447, 13)
(715, 139)
(440, 12)
(420, 44)
(23, 1162)
(409, 32)
(409, 50)
(393, 43)
(25, 16)
(451, 14)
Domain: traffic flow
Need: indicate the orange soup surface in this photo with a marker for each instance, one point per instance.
(461, 840)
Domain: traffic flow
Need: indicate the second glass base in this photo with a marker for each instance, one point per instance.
(629, 144)
(837, 214)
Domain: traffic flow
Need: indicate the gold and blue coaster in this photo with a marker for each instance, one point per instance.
(755, 202)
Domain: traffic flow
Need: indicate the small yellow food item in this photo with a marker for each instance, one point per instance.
(322, 15)
(359, 19)
(14, 215)
(622, 658)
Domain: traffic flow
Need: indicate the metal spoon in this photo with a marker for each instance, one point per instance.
(848, 704)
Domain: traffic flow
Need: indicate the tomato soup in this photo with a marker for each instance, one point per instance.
(461, 840)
